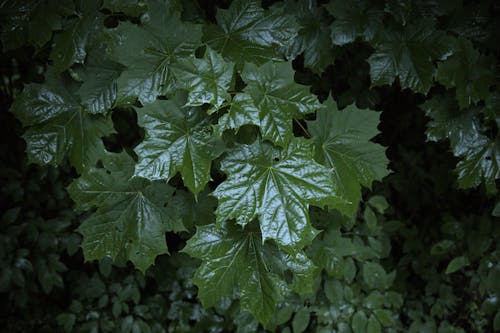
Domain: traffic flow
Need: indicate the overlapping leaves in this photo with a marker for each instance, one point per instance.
(236, 259)
(275, 185)
(58, 124)
(176, 139)
(131, 217)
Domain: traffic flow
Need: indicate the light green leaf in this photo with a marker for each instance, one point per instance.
(469, 72)
(342, 144)
(235, 259)
(58, 125)
(70, 45)
(353, 19)
(177, 140)
(375, 276)
(408, 55)
(379, 203)
(150, 50)
(275, 185)
(278, 99)
(384, 317)
(456, 264)
(248, 33)
(98, 90)
(207, 79)
(131, 217)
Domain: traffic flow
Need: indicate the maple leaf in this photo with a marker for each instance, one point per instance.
(58, 124)
(248, 33)
(70, 45)
(177, 139)
(131, 217)
(207, 79)
(235, 259)
(311, 39)
(343, 144)
(480, 155)
(469, 72)
(277, 98)
(408, 55)
(150, 50)
(276, 185)
(353, 19)
(98, 89)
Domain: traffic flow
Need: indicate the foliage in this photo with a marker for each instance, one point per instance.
(291, 165)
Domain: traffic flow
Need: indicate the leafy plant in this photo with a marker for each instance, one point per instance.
(252, 134)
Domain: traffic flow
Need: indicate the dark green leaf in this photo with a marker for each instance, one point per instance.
(342, 144)
(207, 79)
(176, 140)
(70, 45)
(456, 264)
(408, 55)
(236, 259)
(276, 185)
(278, 99)
(247, 33)
(57, 125)
(353, 19)
(131, 218)
(469, 72)
(150, 50)
(98, 90)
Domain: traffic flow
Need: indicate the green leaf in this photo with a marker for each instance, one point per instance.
(342, 144)
(70, 45)
(150, 50)
(57, 124)
(375, 276)
(384, 317)
(469, 72)
(176, 140)
(312, 39)
(278, 99)
(131, 215)
(242, 111)
(456, 264)
(359, 322)
(496, 210)
(379, 203)
(238, 259)
(353, 19)
(207, 79)
(480, 155)
(98, 90)
(31, 22)
(373, 325)
(408, 55)
(276, 185)
(301, 320)
(248, 33)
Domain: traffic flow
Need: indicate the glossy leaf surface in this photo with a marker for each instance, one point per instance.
(236, 259)
(343, 144)
(177, 140)
(276, 186)
(58, 125)
(248, 33)
(131, 216)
